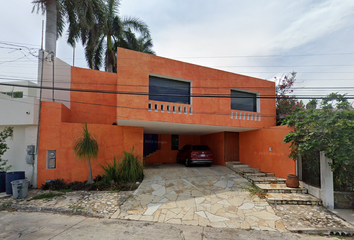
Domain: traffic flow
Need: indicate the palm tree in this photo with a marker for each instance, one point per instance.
(81, 15)
(103, 39)
(86, 146)
(140, 44)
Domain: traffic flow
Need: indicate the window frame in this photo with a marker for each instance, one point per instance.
(168, 78)
(257, 102)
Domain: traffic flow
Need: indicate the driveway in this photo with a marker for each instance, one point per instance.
(205, 196)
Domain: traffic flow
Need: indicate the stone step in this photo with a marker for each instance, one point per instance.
(260, 174)
(246, 170)
(292, 198)
(233, 163)
(280, 188)
(241, 166)
(266, 180)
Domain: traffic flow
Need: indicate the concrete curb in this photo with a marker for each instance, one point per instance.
(324, 231)
(26, 208)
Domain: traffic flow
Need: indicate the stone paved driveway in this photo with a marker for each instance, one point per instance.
(206, 196)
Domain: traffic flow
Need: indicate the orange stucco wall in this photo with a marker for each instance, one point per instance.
(133, 76)
(88, 107)
(60, 127)
(216, 143)
(254, 150)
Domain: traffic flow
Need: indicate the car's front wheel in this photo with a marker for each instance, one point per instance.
(187, 162)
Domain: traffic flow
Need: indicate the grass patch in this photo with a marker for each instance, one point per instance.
(76, 208)
(48, 195)
(256, 191)
(5, 205)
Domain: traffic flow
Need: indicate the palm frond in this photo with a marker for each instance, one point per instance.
(86, 145)
(39, 5)
(137, 25)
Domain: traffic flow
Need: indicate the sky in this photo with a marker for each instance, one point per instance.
(263, 39)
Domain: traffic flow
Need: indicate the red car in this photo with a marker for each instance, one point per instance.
(195, 154)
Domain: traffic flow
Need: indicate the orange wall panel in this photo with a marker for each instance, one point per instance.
(254, 150)
(216, 143)
(93, 107)
(61, 136)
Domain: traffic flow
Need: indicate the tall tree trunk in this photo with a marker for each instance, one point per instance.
(109, 64)
(51, 26)
(90, 179)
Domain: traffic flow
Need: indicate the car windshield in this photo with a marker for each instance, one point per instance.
(201, 148)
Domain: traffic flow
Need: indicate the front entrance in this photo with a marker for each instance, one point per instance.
(150, 143)
(231, 146)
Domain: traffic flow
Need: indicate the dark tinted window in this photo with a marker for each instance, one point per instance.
(201, 148)
(174, 142)
(243, 101)
(166, 90)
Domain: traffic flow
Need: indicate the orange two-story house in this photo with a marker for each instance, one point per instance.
(157, 106)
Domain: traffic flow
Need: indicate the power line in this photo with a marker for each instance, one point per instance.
(181, 87)
(126, 107)
(170, 95)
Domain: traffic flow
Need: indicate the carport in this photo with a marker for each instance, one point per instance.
(163, 139)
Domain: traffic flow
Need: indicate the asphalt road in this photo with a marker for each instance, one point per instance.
(26, 225)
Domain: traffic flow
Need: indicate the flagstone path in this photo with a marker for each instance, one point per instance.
(205, 196)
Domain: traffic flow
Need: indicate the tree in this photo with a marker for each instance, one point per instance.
(104, 38)
(81, 15)
(285, 103)
(4, 134)
(329, 129)
(141, 44)
(86, 146)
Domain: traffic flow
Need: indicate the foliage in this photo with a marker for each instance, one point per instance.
(48, 195)
(131, 168)
(111, 172)
(104, 37)
(285, 103)
(56, 184)
(86, 146)
(327, 129)
(80, 15)
(100, 184)
(256, 191)
(4, 134)
(311, 168)
(75, 186)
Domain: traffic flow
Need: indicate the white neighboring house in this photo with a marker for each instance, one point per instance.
(19, 109)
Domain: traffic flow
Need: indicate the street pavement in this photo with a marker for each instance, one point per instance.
(30, 225)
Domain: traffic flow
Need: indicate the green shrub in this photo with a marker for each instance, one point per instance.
(131, 168)
(111, 172)
(75, 186)
(56, 184)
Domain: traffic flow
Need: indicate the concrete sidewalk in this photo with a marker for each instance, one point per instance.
(14, 225)
(346, 214)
